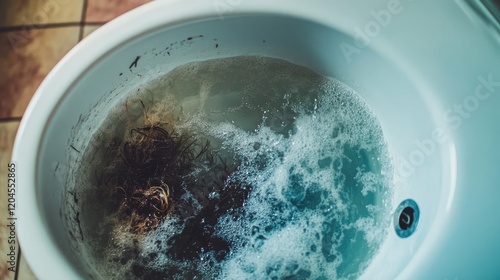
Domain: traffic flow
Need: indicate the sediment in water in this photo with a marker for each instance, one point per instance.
(237, 168)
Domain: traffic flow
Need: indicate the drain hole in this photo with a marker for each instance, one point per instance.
(406, 218)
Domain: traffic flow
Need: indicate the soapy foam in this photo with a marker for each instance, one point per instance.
(313, 154)
(299, 195)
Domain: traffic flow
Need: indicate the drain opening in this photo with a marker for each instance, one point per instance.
(406, 218)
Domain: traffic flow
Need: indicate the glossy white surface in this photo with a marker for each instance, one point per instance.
(417, 65)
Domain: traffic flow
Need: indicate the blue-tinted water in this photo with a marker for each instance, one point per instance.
(309, 148)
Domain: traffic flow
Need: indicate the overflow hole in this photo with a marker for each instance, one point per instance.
(406, 218)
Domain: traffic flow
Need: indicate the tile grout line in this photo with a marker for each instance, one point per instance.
(31, 27)
(96, 22)
(10, 119)
(82, 20)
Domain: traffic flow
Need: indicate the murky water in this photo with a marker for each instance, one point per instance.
(293, 182)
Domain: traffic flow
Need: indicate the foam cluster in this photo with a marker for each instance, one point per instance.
(309, 214)
(313, 155)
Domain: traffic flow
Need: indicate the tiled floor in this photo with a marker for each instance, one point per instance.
(7, 134)
(34, 36)
(38, 13)
(102, 11)
(27, 57)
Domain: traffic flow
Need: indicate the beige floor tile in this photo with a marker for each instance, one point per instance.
(89, 28)
(39, 12)
(7, 135)
(103, 11)
(26, 57)
(25, 272)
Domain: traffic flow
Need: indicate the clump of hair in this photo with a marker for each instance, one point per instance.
(145, 207)
(162, 170)
(148, 174)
